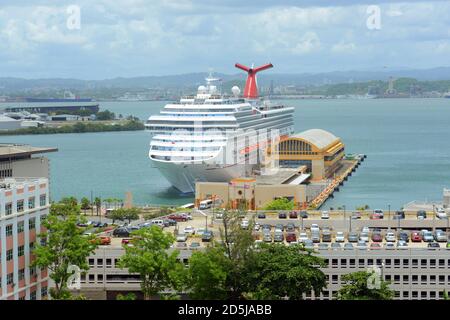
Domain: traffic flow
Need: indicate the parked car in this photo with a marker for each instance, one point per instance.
(375, 246)
(314, 227)
(267, 237)
(291, 237)
(126, 241)
(365, 229)
(266, 227)
(315, 236)
(364, 236)
(427, 236)
(326, 235)
(293, 215)
(102, 240)
(323, 246)
(356, 215)
(376, 215)
(390, 236)
(207, 236)
(245, 224)
(353, 237)
(303, 214)
(376, 237)
(279, 227)
(389, 245)
(302, 237)
(379, 212)
(282, 215)
(402, 244)
(261, 215)
(181, 245)
(340, 236)
(257, 226)
(189, 230)
(290, 227)
(325, 215)
(308, 244)
(336, 245)
(170, 222)
(362, 245)
(399, 215)
(219, 215)
(433, 245)
(194, 245)
(278, 236)
(178, 217)
(416, 236)
(441, 214)
(181, 237)
(421, 214)
(403, 235)
(121, 232)
(440, 236)
(200, 232)
(348, 246)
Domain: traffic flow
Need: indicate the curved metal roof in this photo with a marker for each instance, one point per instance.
(320, 138)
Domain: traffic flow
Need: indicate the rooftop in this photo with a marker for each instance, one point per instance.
(320, 138)
(10, 150)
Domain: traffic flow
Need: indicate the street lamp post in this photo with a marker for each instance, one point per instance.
(389, 211)
(434, 218)
(344, 211)
(350, 224)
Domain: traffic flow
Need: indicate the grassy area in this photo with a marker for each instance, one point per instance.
(80, 127)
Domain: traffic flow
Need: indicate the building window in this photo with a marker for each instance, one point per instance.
(19, 205)
(31, 203)
(99, 277)
(21, 251)
(99, 262)
(20, 226)
(9, 278)
(91, 278)
(21, 274)
(91, 262)
(33, 295)
(31, 246)
(43, 200)
(8, 209)
(32, 271)
(32, 224)
(9, 255)
(405, 294)
(9, 230)
(44, 291)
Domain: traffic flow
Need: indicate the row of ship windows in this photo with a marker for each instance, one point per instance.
(388, 263)
(20, 204)
(184, 149)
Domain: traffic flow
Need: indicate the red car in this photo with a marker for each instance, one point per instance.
(293, 215)
(178, 218)
(376, 237)
(102, 240)
(375, 246)
(291, 237)
(416, 236)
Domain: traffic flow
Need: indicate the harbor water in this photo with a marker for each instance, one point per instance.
(407, 143)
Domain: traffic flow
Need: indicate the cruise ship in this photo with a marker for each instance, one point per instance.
(216, 137)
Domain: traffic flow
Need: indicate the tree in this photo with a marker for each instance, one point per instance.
(72, 201)
(358, 287)
(128, 296)
(159, 270)
(62, 245)
(130, 214)
(85, 204)
(98, 204)
(105, 115)
(278, 271)
(280, 204)
(117, 214)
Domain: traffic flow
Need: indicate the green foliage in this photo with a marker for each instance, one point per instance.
(128, 296)
(356, 287)
(280, 204)
(122, 214)
(363, 207)
(149, 257)
(79, 127)
(62, 245)
(85, 203)
(280, 271)
(71, 201)
(105, 115)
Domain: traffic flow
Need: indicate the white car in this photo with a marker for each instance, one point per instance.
(315, 227)
(390, 237)
(364, 236)
(379, 212)
(200, 232)
(302, 237)
(219, 215)
(244, 224)
(365, 230)
(189, 230)
(257, 226)
(325, 215)
(340, 236)
(181, 238)
(441, 214)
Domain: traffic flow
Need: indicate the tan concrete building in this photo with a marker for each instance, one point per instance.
(319, 150)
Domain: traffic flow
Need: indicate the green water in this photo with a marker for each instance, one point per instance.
(407, 142)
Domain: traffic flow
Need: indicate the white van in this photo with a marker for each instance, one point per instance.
(205, 204)
(158, 222)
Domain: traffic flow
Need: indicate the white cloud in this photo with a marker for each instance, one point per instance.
(343, 47)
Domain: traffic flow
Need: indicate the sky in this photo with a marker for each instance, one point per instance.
(127, 38)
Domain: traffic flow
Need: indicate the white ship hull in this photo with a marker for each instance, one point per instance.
(183, 176)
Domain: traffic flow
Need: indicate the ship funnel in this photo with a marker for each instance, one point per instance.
(251, 87)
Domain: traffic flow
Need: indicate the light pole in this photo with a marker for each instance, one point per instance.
(389, 211)
(350, 224)
(434, 218)
(344, 211)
